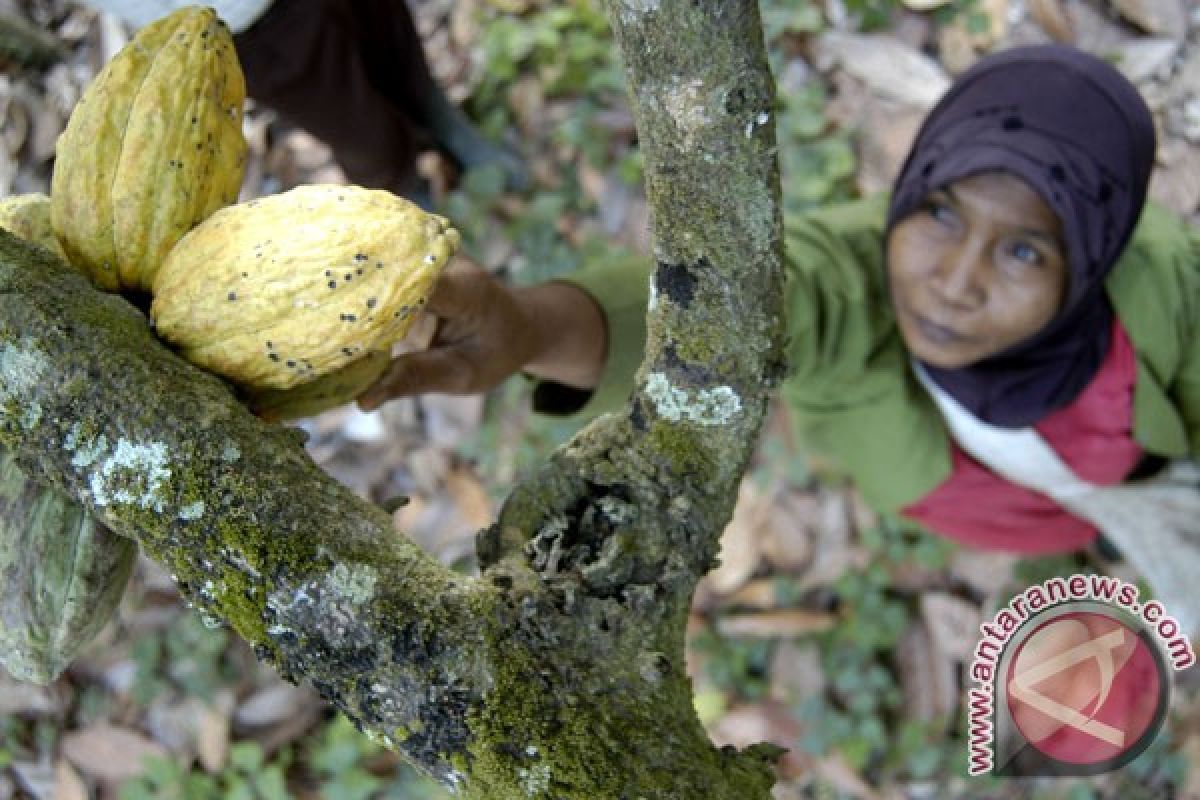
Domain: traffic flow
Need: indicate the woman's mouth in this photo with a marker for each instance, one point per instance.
(935, 333)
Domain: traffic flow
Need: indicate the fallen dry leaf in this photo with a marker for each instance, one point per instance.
(1096, 31)
(983, 571)
(440, 527)
(925, 5)
(1176, 184)
(742, 726)
(464, 24)
(20, 698)
(1159, 17)
(511, 6)
(927, 679)
(887, 65)
(757, 594)
(528, 103)
(792, 622)
(1053, 19)
(452, 420)
(16, 114)
(835, 549)
(272, 705)
(796, 672)
(212, 732)
(885, 137)
(35, 777)
(788, 540)
(109, 753)
(593, 182)
(168, 721)
(911, 576)
(276, 737)
(68, 785)
(956, 49)
(1191, 753)
(1141, 60)
(953, 624)
(741, 542)
(469, 497)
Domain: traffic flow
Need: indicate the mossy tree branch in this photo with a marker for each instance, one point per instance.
(558, 673)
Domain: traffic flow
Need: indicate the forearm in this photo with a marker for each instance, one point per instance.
(569, 334)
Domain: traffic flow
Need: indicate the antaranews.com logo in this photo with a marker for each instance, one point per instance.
(1072, 678)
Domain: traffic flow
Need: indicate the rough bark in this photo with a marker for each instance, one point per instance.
(558, 673)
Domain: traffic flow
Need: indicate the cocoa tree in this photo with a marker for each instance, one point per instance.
(558, 672)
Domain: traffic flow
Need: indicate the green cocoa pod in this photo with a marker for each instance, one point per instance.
(61, 576)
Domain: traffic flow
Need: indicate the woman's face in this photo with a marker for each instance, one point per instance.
(978, 268)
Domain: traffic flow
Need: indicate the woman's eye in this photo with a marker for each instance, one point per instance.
(940, 212)
(1025, 252)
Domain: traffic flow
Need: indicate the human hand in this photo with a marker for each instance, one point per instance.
(487, 331)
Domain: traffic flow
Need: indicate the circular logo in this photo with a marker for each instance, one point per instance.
(1086, 689)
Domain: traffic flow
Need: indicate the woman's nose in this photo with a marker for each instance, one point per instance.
(957, 280)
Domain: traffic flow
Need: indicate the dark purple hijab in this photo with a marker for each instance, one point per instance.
(1079, 134)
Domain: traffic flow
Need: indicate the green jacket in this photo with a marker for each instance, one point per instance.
(851, 388)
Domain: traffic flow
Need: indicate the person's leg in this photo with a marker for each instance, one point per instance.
(303, 59)
(395, 62)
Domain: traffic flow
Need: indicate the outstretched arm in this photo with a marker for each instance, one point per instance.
(487, 331)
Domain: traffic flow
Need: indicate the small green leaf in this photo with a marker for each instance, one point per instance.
(246, 756)
(978, 23)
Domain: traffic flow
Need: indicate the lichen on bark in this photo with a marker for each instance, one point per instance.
(558, 672)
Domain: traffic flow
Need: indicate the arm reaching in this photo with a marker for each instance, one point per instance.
(487, 331)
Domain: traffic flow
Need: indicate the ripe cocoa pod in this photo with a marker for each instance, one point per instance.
(279, 291)
(154, 146)
(28, 217)
(329, 391)
(62, 575)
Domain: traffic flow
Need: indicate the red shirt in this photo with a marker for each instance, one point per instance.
(1093, 435)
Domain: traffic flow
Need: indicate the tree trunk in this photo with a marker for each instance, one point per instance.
(559, 672)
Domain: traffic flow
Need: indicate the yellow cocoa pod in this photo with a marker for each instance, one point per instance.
(27, 216)
(154, 146)
(329, 391)
(279, 291)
